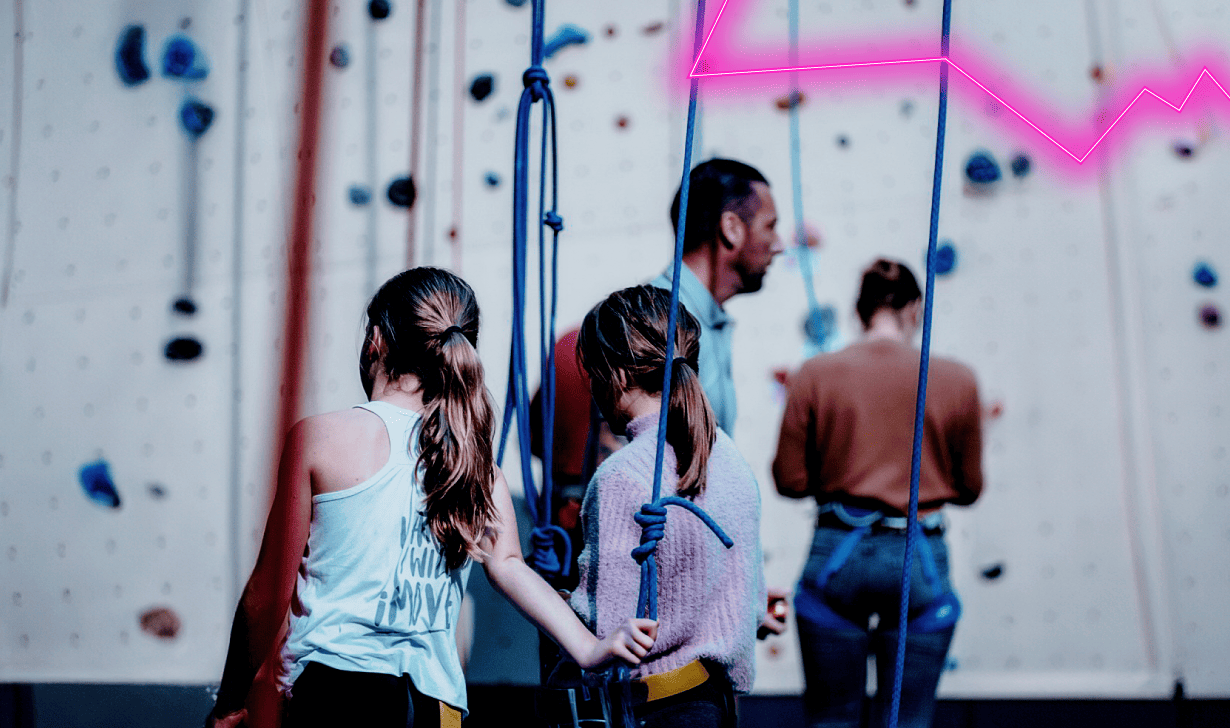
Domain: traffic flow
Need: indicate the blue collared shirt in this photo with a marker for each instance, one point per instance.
(716, 375)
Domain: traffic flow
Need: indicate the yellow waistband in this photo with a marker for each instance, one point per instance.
(666, 684)
(450, 717)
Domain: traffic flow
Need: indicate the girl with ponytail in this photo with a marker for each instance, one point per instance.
(710, 599)
(378, 513)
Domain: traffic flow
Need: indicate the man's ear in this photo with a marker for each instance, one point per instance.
(732, 231)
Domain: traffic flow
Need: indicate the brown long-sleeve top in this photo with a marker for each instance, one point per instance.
(848, 430)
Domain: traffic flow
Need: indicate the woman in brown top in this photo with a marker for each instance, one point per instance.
(846, 439)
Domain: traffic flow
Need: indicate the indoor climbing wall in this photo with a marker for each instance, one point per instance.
(148, 154)
(115, 504)
(1172, 230)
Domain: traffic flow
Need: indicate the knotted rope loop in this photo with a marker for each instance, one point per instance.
(553, 221)
(544, 556)
(536, 80)
(652, 520)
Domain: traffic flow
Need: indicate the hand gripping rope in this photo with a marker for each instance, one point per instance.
(545, 538)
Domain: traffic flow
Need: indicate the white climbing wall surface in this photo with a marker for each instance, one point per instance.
(1094, 565)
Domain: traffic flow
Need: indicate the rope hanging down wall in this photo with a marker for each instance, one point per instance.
(913, 532)
(545, 537)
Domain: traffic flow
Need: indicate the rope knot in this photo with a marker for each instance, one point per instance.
(536, 80)
(544, 557)
(652, 520)
(553, 221)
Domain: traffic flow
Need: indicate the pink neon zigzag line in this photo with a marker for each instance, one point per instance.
(938, 59)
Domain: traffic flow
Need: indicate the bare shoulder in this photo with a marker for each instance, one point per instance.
(343, 448)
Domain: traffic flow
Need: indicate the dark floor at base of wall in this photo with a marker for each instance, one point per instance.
(173, 706)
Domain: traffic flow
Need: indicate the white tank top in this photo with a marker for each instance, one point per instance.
(372, 593)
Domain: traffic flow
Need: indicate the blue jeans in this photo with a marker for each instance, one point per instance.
(835, 658)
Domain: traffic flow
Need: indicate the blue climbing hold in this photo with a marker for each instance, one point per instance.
(1020, 166)
(1204, 275)
(182, 59)
(981, 169)
(130, 56)
(482, 86)
(96, 482)
(516, 3)
(567, 35)
(360, 195)
(820, 325)
(492, 179)
(379, 9)
(945, 258)
(196, 117)
(402, 192)
(183, 348)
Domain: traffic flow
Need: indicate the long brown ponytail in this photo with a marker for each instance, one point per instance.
(622, 345)
(428, 319)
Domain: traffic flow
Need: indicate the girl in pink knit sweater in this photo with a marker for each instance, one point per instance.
(710, 598)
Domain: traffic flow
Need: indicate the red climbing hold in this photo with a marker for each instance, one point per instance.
(161, 622)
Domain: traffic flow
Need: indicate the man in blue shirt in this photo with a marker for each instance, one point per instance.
(728, 244)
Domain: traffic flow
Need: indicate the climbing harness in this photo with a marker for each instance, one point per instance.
(546, 539)
(941, 613)
(594, 705)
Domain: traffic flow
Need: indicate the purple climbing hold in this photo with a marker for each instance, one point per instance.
(1184, 150)
(482, 86)
(1210, 316)
(96, 482)
(182, 59)
(981, 168)
(130, 56)
(196, 117)
(1204, 275)
(339, 57)
(567, 35)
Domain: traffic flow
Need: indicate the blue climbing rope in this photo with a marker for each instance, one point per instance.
(652, 516)
(545, 539)
(796, 167)
(924, 362)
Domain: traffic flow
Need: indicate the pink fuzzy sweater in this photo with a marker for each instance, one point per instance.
(710, 598)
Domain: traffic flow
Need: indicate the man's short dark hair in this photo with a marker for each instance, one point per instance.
(717, 185)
